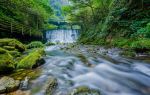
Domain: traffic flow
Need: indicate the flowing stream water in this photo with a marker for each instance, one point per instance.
(109, 73)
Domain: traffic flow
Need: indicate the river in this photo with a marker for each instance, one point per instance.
(92, 66)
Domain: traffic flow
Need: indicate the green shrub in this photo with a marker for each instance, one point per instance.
(35, 44)
(32, 59)
(141, 44)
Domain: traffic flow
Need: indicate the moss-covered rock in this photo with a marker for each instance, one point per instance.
(83, 90)
(128, 53)
(6, 61)
(35, 44)
(11, 44)
(21, 74)
(32, 60)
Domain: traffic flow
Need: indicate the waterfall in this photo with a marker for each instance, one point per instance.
(62, 36)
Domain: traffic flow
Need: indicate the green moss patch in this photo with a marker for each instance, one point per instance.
(6, 62)
(11, 44)
(32, 60)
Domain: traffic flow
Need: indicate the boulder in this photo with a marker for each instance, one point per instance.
(8, 84)
(32, 60)
(83, 90)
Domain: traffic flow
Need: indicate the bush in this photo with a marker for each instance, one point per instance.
(32, 60)
(35, 44)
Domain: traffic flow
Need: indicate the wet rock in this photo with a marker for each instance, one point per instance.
(8, 84)
(84, 91)
(24, 84)
(51, 86)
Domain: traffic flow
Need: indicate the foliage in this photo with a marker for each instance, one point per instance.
(29, 13)
(35, 44)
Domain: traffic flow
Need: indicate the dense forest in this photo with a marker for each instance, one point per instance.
(24, 18)
(75, 47)
(121, 23)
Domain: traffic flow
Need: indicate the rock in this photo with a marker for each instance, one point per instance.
(8, 84)
(50, 86)
(6, 62)
(25, 83)
(83, 90)
(20, 92)
(32, 60)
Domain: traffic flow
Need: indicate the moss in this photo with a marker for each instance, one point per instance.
(83, 90)
(6, 62)
(12, 43)
(35, 44)
(21, 74)
(15, 53)
(128, 53)
(9, 48)
(32, 60)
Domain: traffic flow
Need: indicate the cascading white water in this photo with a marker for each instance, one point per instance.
(62, 36)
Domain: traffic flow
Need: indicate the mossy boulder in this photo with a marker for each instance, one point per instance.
(32, 60)
(35, 44)
(83, 90)
(6, 61)
(8, 84)
(12, 44)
